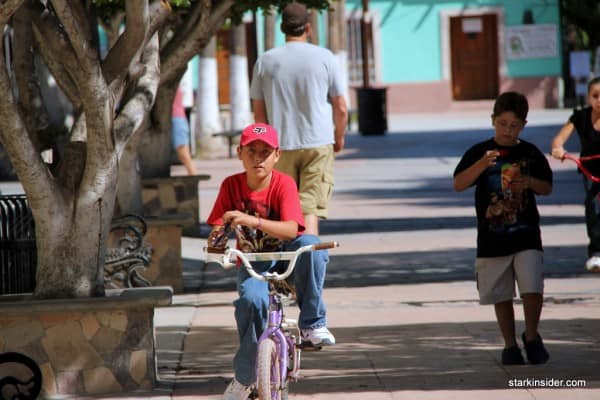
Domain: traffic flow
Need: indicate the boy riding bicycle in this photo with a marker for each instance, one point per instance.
(262, 206)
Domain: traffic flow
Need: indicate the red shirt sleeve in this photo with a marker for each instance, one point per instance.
(289, 200)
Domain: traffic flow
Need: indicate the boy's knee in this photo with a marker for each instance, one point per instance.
(251, 301)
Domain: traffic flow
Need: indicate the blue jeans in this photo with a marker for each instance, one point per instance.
(592, 215)
(251, 308)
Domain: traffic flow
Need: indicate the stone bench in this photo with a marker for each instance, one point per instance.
(86, 346)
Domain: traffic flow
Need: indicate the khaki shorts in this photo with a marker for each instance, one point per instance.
(496, 276)
(312, 169)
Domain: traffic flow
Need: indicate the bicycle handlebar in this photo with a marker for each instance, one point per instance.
(226, 259)
(583, 169)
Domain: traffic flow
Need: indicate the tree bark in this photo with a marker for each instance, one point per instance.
(269, 25)
(314, 23)
(239, 86)
(209, 116)
(338, 39)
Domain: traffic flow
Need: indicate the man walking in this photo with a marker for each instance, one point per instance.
(297, 88)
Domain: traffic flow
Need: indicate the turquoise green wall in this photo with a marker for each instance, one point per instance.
(410, 36)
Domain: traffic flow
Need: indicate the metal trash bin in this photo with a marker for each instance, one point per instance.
(18, 253)
(372, 110)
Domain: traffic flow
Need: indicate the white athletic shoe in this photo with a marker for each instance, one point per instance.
(593, 264)
(237, 391)
(318, 336)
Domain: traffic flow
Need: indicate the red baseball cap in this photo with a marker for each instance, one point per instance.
(259, 131)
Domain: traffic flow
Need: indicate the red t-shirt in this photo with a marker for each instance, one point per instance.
(278, 202)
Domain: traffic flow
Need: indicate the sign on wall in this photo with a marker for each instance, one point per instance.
(530, 41)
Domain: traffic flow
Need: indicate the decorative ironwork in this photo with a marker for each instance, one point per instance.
(25, 379)
(132, 255)
(18, 254)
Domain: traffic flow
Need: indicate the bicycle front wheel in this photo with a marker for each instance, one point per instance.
(268, 364)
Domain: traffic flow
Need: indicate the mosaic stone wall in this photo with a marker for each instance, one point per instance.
(87, 350)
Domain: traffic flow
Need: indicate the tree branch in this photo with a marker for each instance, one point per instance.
(181, 49)
(57, 52)
(30, 97)
(133, 115)
(74, 20)
(27, 162)
(7, 10)
(131, 41)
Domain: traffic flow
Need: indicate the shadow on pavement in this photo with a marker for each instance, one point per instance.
(390, 268)
(444, 356)
(448, 143)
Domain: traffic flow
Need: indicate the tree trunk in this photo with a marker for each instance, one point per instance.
(71, 241)
(269, 33)
(155, 148)
(209, 118)
(314, 23)
(239, 87)
(338, 39)
(129, 184)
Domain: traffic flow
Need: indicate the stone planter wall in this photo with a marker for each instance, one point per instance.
(164, 235)
(174, 195)
(86, 346)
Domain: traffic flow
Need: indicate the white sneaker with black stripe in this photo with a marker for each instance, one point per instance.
(318, 336)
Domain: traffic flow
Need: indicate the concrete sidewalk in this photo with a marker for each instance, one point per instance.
(399, 222)
(400, 292)
(422, 341)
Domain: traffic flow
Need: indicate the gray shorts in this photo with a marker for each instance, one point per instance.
(496, 276)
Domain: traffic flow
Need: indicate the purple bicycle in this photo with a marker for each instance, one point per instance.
(280, 345)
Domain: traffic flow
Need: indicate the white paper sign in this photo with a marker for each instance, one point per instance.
(472, 25)
(531, 41)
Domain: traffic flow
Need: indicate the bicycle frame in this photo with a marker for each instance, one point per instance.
(288, 345)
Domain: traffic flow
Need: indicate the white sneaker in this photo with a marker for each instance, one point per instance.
(318, 336)
(593, 264)
(237, 391)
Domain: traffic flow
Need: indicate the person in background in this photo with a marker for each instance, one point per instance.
(297, 88)
(586, 122)
(180, 133)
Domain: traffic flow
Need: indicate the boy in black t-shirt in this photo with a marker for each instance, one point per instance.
(507, 173)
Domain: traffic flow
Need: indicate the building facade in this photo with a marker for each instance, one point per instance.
(443, 55)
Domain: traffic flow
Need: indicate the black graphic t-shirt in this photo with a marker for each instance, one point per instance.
(507, 219)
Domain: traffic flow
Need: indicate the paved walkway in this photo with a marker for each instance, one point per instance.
(400, 294)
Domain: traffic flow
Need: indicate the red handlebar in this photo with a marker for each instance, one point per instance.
(583, 169)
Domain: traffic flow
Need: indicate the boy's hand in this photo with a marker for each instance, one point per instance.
(489, 158)
(238, 218)
(520, 184)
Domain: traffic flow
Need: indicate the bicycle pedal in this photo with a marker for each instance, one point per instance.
(309, 346)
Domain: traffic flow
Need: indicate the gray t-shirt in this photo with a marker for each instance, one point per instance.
(295, 81)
